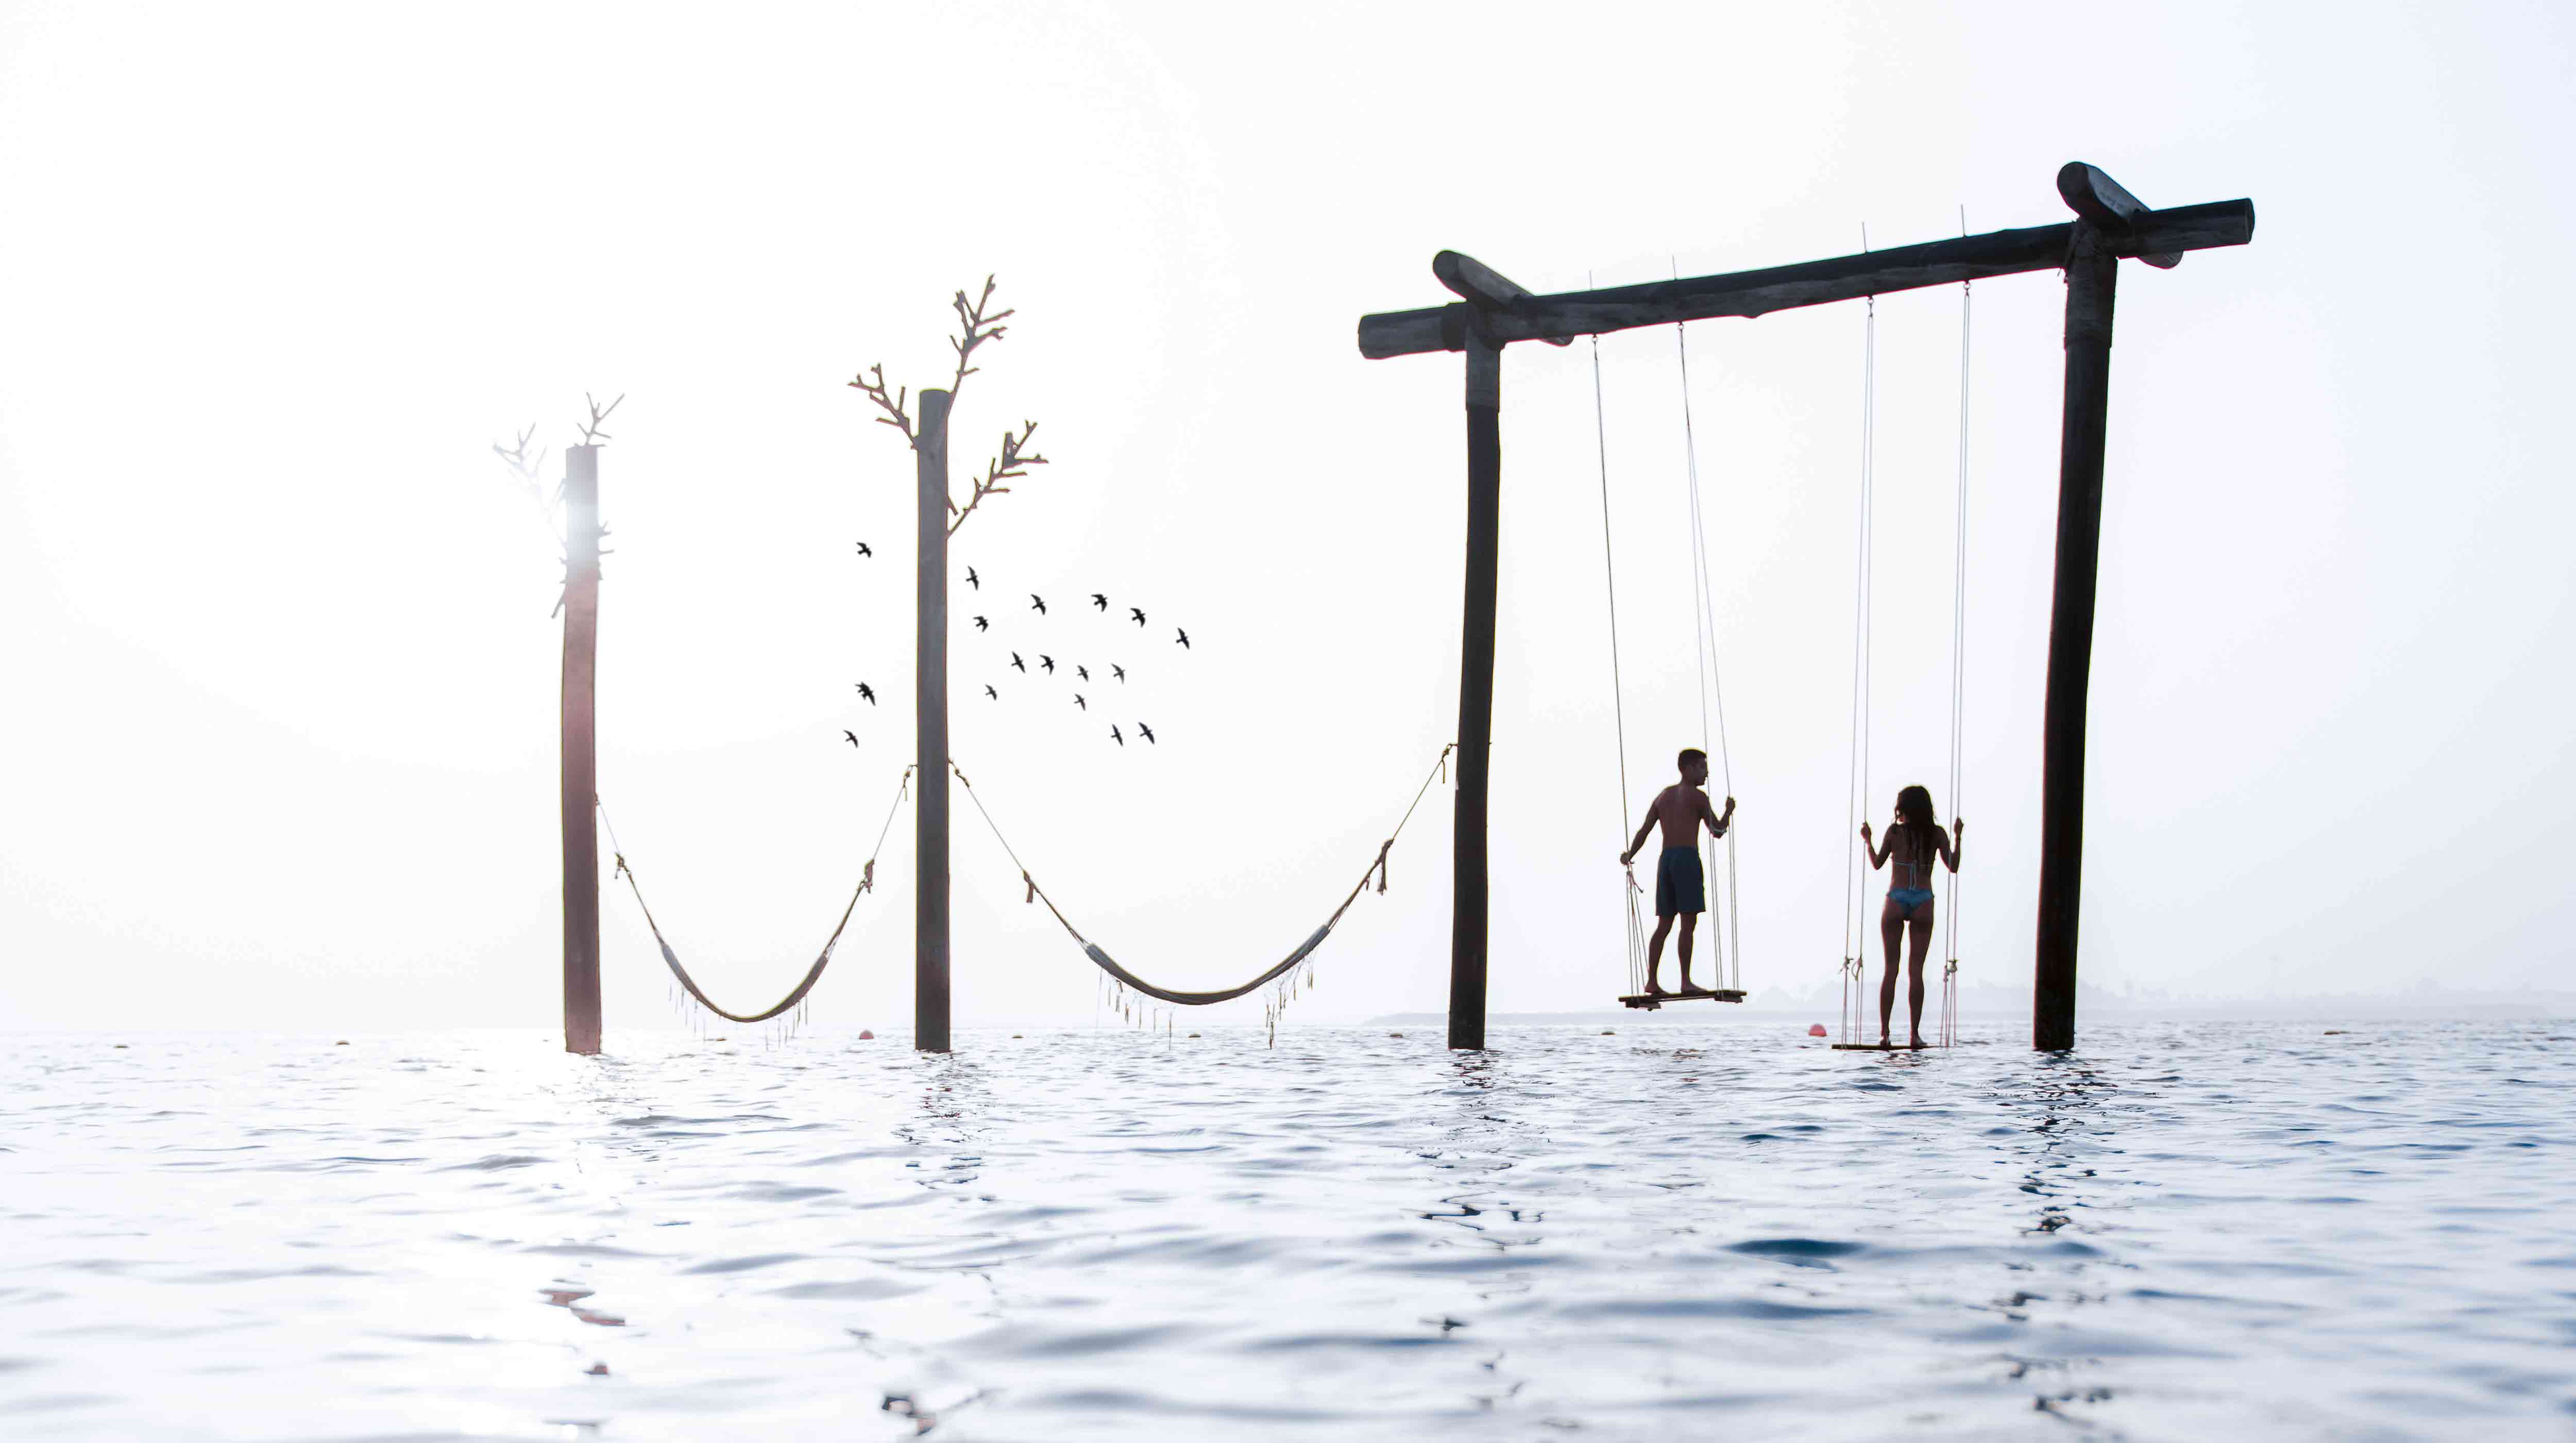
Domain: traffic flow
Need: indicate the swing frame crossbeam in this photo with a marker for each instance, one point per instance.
(2153, 236)
(1492, 312)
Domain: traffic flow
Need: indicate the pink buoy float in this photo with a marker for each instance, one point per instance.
(1816, 1030)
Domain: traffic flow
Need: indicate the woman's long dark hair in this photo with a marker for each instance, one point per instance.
(1922, 828)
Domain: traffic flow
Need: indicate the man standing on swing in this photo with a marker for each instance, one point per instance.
(1681, 888)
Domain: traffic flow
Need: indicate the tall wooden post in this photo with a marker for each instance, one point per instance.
(580, 759)
(2092, 274)
(930, 714)
(1467, 925)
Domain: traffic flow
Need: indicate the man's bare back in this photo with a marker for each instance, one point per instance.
(1680, 808)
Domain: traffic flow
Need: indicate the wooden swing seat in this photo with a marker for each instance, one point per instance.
(1654, 1001)
(1884, 1047)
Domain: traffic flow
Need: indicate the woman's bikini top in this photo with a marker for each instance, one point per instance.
(1917, 869)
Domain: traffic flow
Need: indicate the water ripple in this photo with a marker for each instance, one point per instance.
(2180, 1232)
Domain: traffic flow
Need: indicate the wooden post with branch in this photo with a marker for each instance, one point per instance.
(580, 789)
(937, 518)
(579, 535)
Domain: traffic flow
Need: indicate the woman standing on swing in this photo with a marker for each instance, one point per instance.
(1915, 841)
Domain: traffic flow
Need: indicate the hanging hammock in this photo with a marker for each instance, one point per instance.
(1303, 980)
(813, 974)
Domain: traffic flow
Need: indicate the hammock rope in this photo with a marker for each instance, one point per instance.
(1376, 869)
(813, 974)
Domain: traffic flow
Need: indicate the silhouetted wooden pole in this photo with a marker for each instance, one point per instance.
(2092, 274)
(930, 712)
(580, 759)
(1468, 920)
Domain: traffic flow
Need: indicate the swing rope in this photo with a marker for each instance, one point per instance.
(1712, 686)
(813, 974)
(1855, 905)
(1958, 671)
(1128, 980)
(1629, 889)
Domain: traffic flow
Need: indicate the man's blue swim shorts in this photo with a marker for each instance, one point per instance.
(1679, 884)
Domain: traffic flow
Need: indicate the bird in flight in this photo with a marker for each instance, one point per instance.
(867, 695)
(1184, 639)
(1037, 603)
(1137, 612)
(1078, 701)
(1099, 600)
(988, 691)
(1015, 661)
(1118, 671)
(1146, 732)
(853, 736)
(1083, 671)
(1113, 734)
(973, 580)
(982, 625)
(864, 551)
(1048, 662)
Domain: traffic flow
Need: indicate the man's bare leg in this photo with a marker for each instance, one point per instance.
(1690, 929)
(1655, 953)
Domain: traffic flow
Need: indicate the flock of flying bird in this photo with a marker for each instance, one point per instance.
(1046, 663)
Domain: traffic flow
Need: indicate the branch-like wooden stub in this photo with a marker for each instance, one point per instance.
(523, 464)
(2098, 198)
(975, 329)
(1811, 283)
(1473, 280)
(591, 435)
(1483, 286)
(872, 383)
(1011, 465)
(977, 323)
(527, 467)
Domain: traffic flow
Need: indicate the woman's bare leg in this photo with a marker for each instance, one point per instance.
(1891, 931)
(1922, 941)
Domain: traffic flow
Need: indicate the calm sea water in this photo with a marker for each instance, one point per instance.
(1682, 1231)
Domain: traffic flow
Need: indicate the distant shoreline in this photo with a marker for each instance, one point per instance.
(2320, 1009)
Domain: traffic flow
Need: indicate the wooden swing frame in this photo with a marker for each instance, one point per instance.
(1492, 312)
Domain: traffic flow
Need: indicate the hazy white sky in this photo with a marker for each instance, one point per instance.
(278, 744)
